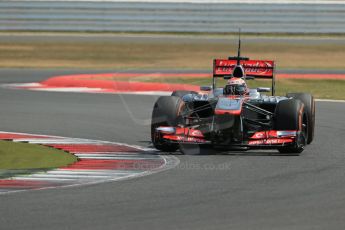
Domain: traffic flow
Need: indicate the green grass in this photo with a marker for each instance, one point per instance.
(165, 53)
(325, 89)
(29, 156)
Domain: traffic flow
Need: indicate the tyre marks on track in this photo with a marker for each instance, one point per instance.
(98, 161)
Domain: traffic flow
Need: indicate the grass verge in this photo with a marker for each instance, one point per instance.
(29, 156)
(164, 52)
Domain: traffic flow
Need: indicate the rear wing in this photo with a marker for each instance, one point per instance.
(263, 69)
(252, 68)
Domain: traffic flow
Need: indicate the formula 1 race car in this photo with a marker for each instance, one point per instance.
(234, 116)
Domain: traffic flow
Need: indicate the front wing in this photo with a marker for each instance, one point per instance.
(261, 139)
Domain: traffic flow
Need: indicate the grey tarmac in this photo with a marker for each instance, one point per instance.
(248, 190)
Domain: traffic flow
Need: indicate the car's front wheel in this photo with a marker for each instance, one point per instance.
(166, 112)
(291, 115)
(309, 103)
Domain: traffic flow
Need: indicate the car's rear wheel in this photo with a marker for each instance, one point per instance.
(166, 112)
(291, 115)
(309, 103)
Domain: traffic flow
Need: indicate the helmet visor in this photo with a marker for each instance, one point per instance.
(240, 89)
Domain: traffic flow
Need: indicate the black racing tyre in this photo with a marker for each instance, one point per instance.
(309, 103)
(290, 114)
(165, 113)
(181, 93)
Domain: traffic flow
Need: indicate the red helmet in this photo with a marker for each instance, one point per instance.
(236, 86)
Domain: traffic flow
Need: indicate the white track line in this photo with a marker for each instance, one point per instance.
(66, 176)
(80, 171)
(39, 179)
(69, 89)
(117, 156)
(107, 153)
(55, 141)
(77, 172)
(330, 100)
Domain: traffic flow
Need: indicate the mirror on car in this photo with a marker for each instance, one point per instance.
(205, 88)
(263, 89)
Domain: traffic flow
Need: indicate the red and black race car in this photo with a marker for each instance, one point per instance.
(233, 116)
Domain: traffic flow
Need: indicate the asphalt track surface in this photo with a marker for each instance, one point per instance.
(252, 190)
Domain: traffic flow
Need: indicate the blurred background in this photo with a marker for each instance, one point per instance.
(302, 36)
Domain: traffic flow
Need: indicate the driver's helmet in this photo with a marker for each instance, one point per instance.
(236, 86)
